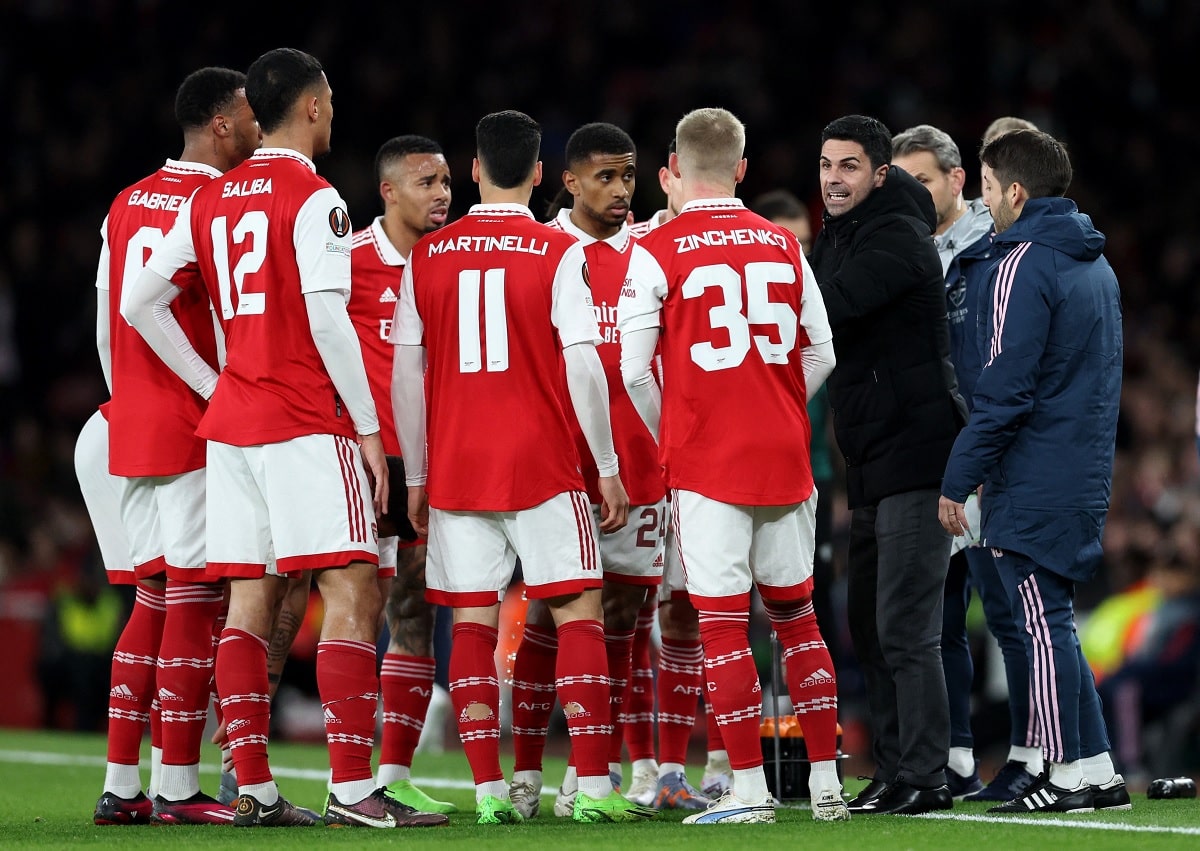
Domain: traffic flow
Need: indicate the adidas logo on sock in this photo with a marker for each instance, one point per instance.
(122, 691)
(817, 678)
(165, 695)
(330, 718)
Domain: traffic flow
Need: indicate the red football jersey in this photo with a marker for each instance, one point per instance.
(728, 289)
(265, 234)
(152, 414)
(607, 268)
(376, 268)
(494, 297)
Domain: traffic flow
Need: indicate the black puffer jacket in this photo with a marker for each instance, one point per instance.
(894, 397)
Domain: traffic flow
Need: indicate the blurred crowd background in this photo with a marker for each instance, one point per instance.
(90, 89)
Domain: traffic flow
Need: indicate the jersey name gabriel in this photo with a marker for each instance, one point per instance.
(147, 398)
(266, 233)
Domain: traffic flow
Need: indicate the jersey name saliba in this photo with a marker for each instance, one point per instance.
(241, 188)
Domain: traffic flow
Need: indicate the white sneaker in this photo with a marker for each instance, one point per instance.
(644, 786)
(564, 804)
(828, 805)
(526, 798)
(718, 778)
(730, 809)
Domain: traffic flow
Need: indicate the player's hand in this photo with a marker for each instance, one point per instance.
(220, 735)
(418, 509)
(953, 516)
(614, 504)
(375, 460)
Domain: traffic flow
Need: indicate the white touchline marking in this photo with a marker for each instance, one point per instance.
(1061, 822)
(321, 775)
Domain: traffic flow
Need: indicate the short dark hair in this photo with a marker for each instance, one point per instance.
(399, 147)
(779, 204)
(1032, 158)
(871, 133)
(507, 144)
(205, 93)
(599, 137)
(275, 80)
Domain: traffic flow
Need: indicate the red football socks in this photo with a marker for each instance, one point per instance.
(349, 693)
(406, 683)
(475, 692)
(133, 675)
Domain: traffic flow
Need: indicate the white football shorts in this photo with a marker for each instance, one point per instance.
(472, 554)
(725, 548)
(633, 554)
(304, 502)
(102, 496)
(164, 521)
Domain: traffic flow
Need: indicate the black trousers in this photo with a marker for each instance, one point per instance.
(897, 565)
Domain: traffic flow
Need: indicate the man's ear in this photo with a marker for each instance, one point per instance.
(958, 179)
(571, 182)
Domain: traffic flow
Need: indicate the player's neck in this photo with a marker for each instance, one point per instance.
(206, 151)
(402, 238)
(293, 140)
(703, 189)
(593, 228)
(519, 195)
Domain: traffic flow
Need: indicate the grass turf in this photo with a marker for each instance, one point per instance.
(50, 782)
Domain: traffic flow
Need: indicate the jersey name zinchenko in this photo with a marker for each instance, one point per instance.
(524, 245)
(738, 236)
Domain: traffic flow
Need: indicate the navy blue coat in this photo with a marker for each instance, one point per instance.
(1043, 423)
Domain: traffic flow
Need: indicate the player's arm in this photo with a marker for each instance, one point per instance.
(103, 331)
(816, 356)
(323, 258)
(573, 317)
(1005, 393)
(147, 307)
(639, 316)
(408, 399)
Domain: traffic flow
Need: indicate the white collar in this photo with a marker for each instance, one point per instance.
(285, 153)
(499, 210)
(190, 167)
(713, 204)
(617, 241)
(387, 252)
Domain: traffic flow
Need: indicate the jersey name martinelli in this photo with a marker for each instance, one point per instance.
(495, 297)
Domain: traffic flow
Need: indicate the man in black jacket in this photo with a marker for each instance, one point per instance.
(896, 412)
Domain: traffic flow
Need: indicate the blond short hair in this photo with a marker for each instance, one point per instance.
(710, 142)
(1006, 124)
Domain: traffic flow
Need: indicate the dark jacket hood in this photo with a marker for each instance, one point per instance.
(900, 195)
(1058, 224)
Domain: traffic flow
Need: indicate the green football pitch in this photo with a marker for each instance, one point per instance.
(49, 783)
